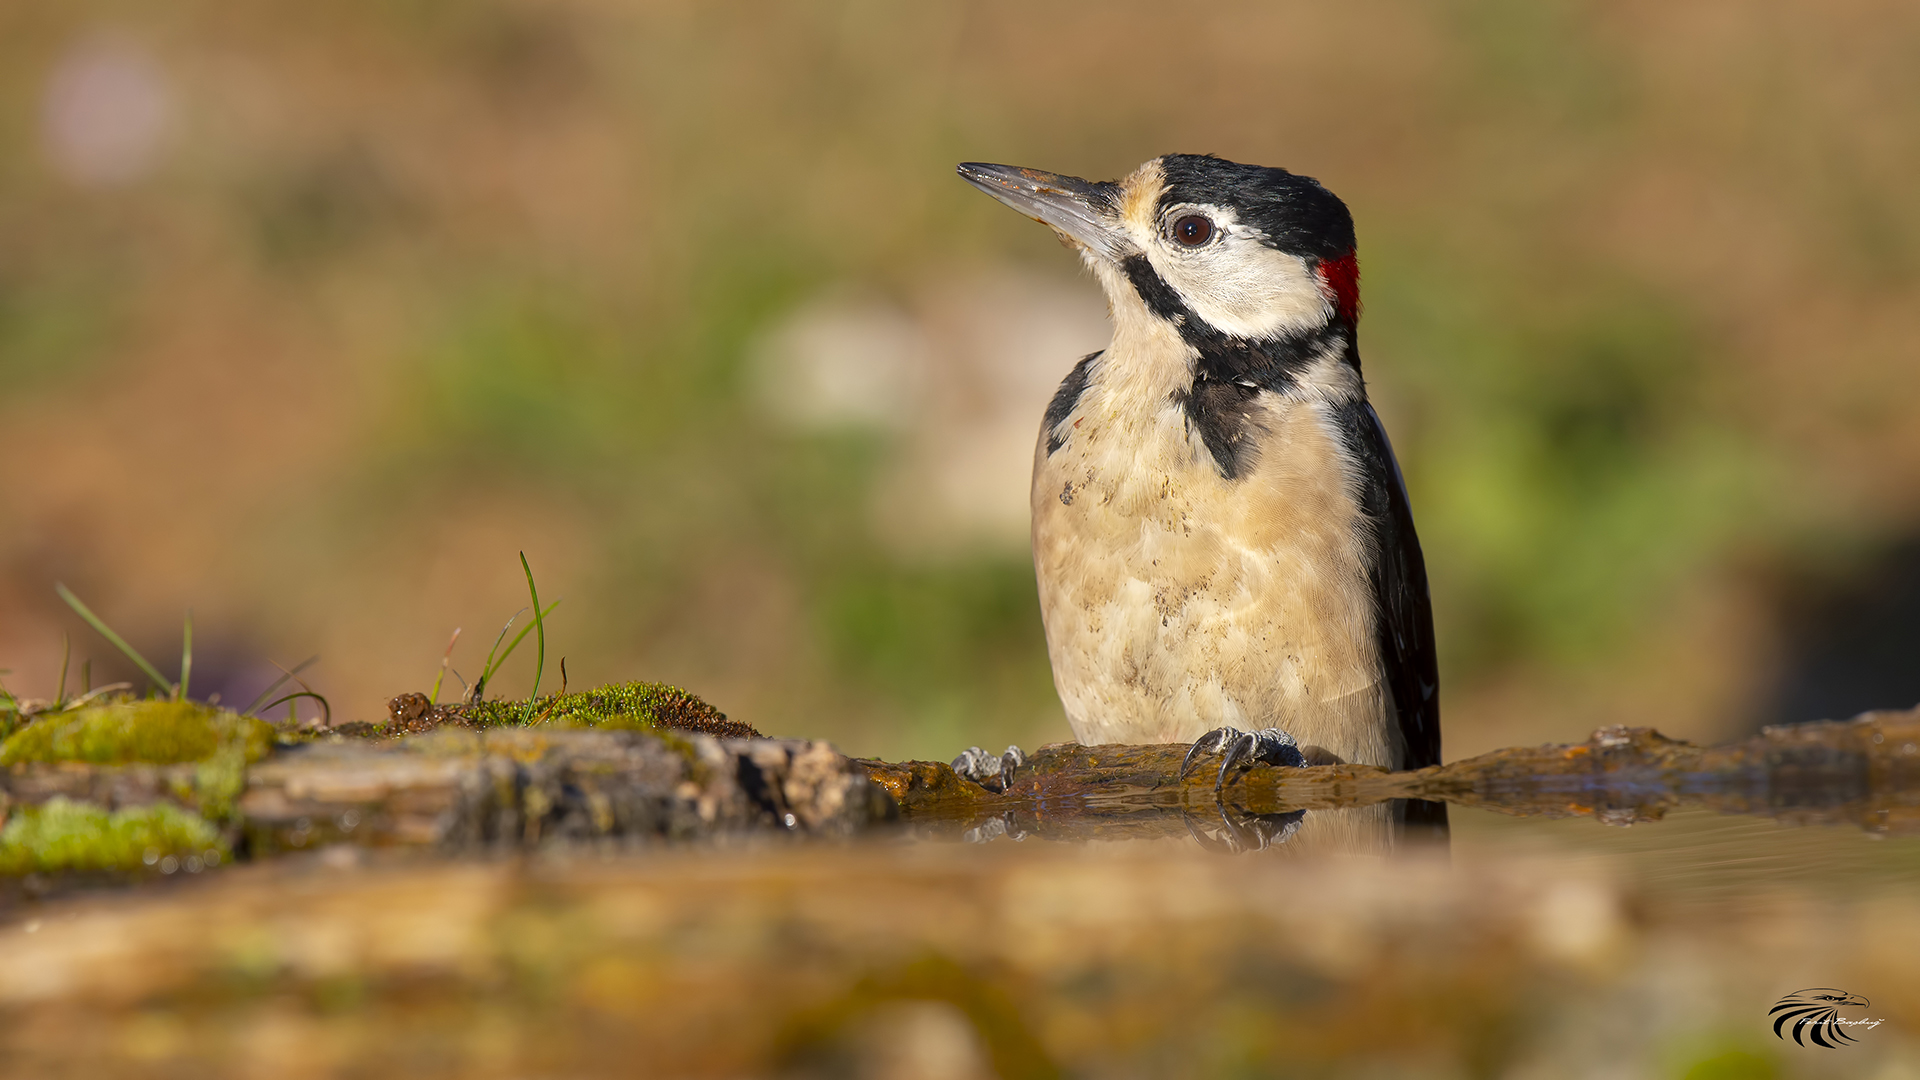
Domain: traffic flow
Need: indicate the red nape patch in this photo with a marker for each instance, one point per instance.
(1340, 283)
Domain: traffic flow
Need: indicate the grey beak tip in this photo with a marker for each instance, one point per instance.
(977, 172)
(1064, 203)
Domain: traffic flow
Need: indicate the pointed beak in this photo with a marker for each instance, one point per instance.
(1079, 210)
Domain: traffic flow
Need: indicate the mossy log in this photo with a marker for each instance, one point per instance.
(507, 788)
(498, 788)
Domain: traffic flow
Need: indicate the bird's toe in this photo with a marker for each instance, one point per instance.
(991, 771)
(1231, 752)
(1203, 744)
(1269, 746)
(1276, 747)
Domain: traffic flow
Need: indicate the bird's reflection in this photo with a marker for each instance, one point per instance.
(1237, 831)
(1227, 828)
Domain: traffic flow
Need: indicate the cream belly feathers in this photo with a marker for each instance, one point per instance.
(1177, 601)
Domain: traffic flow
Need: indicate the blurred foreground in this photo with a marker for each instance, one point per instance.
(936, 961)
(613, 896)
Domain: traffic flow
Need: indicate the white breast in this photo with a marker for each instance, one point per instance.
(1177, 601)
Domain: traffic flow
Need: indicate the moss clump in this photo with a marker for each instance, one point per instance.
(65, 835)
(641, 706)
(155, 732)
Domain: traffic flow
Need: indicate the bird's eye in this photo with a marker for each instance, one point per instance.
(1192, 230)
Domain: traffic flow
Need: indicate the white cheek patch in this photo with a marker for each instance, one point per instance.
(1241, 286)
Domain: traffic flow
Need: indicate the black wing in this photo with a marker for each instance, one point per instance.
(1399, 576)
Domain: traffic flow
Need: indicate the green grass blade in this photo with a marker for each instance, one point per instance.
(487, 669)
(118, 642)
(186, 658)
(66, 654)
(495, 664)
(285, 674)
(446, 662)
(539, 624)
(326, 709)
(522, 636)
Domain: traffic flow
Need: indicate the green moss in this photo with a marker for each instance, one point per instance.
(65, 835)
(218, 782)
(156, 732)
(641, 706)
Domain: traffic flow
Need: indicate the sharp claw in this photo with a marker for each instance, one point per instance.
(1232, 753)
(1200, 746)
(1010, 762)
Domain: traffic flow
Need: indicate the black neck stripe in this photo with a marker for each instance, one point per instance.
(1270, 364)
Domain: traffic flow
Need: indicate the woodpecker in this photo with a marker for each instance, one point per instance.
(1222, 540)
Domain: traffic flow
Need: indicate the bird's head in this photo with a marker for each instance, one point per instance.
(1838, 999)
(1232, 255)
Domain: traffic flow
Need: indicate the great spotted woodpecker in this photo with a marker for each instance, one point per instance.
(1222, 540)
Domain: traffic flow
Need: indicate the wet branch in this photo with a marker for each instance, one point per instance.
(507, 788)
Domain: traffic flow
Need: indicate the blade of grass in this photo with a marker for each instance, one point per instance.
(487, 668)
(494, 663)
(275, 685)
(293, 674)
(479, 688)
(554, 701)
(66, 654)
(326, 709)
(118, 642)
(446, 661)
(521, 636)
(539, 624)
(101, 691)
(186, 657)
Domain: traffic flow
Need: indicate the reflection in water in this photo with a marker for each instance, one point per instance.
(1864, 773)
(1221, 826)
(1239, 831)
(1381, 829)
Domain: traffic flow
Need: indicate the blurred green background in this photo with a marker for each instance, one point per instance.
(312, 316)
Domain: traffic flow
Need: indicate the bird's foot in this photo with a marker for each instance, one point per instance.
(993, 772)
(1253, 832)
(1270, 746)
